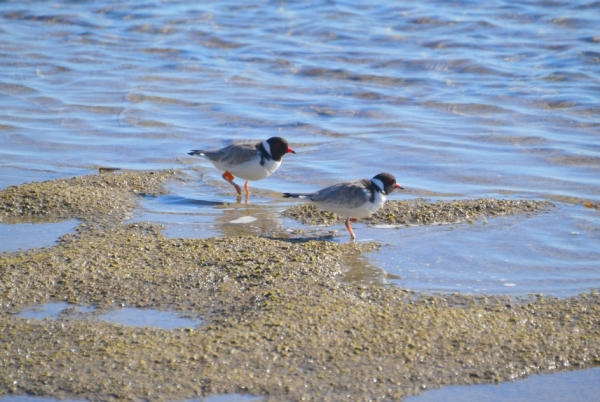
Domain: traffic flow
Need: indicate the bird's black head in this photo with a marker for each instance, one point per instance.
(388, 181)
(277, 147)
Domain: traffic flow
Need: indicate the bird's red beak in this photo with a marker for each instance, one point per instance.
(290, 151)
(399, 186)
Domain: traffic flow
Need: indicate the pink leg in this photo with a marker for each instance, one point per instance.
(246, 187)
(349, 227)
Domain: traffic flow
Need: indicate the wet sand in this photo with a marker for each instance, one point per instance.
(421, 212)
(277, 320)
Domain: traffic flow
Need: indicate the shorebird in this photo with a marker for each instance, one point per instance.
(248, 160)
(353, 199)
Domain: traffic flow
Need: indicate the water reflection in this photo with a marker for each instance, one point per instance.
(135, 317)
(251, 219)
(24, 236)
(200, 210)
(55, 310)
(181, 203)
(572, 386)
(360, 270)
(127, 316)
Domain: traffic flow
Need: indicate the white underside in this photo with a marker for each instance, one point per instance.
(251, 170)
(366, 209)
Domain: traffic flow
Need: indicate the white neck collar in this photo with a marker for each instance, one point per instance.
(379, 184)
(267, 148)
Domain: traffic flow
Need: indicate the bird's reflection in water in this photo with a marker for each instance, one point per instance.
(243, 199)
(360, 270)
(248, 219)
(177, 202)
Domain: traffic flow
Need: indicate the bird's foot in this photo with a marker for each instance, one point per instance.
(349, 227)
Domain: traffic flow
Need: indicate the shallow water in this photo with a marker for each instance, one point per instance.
(129, 316)
(571, 386)
(554, 252)
(135, 317)
(52, 310)
(31, 235)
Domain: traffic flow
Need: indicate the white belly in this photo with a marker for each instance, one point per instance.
(362, 211)
(251, 170)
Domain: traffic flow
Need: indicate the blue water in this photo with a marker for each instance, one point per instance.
(570, 386)
(30, 235)
(134, 317)
(457, 99)
(463, 98)
(52, 310)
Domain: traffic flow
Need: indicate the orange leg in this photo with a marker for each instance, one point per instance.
(229, 177)
(246, 187)
(349, 227)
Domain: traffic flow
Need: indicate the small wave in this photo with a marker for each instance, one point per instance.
(16, 89)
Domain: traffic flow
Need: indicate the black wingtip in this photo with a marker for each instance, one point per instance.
(287, 195)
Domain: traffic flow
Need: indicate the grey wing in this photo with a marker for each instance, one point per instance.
(349, 194)
(234, 154)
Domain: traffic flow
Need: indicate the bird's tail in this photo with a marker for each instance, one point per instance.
(197, 152)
